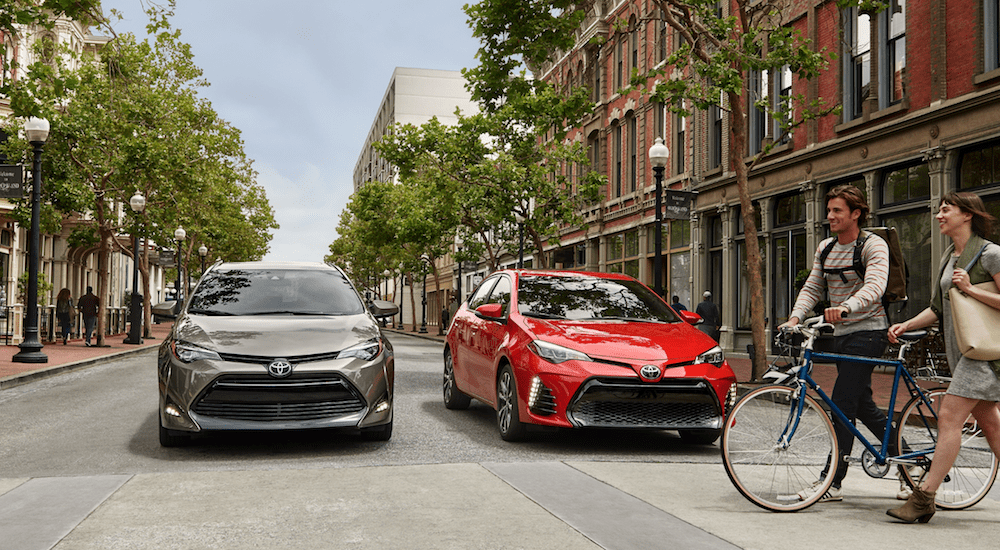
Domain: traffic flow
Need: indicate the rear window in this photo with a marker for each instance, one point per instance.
(590, 298)
(275, 291)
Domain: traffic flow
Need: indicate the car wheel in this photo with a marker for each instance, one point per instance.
(700, 437)
(508, 416)
(378, 433)
(453, 398)
(170, 438)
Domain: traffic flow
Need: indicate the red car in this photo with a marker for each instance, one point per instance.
(576, 350)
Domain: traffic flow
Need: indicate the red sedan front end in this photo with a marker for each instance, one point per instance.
(585, 350)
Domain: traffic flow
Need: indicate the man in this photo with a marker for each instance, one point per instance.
(856, 311)
(709, 313)
(675, 302)
(88, 305)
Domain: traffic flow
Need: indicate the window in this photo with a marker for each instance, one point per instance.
(906, 184)
(715, 137)
(914, 229)
(757, 86)
(783, 105)
(790, 209)
(991, 35)
(634, 45)
(594, 65)
(594, 151)
(619, 63)
(979, 167)
(617, 130)
(482, 294)
(680, 146)
(791, 258)
(623, 253)
(633, 160)
(894, 30)
(661, 40)
(857, 62)
(501, 294)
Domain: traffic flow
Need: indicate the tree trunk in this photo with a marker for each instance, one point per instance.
(437, 292)
(736, 149)
(103, 254)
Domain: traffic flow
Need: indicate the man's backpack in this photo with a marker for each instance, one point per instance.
(895, 290)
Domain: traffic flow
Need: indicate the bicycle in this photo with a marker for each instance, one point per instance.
(778, 439)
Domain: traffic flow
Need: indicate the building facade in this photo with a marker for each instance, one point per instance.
(919, 84)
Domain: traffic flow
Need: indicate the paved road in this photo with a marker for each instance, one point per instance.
(81, 468)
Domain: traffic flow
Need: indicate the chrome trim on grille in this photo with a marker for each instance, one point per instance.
(293, 359)
(261, 398)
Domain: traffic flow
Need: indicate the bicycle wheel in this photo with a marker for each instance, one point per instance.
(975, 468)
(769, 472)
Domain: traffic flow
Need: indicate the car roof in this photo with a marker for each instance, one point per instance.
(565, 273)
(276, 265)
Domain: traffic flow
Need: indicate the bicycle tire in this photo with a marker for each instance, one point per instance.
(975, 468)
(767, 473)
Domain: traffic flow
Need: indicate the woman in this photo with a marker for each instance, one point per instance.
(974, 388)
(64, 312)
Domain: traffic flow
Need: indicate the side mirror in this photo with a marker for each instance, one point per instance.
(165, 309)
(381, 308)
(691, 317)
(490, 311)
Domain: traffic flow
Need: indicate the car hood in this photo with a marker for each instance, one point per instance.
(625, 340)
(276, 335)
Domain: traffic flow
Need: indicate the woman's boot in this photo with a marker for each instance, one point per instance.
(919, 507)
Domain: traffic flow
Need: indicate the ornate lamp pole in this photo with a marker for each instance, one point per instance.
(423, 299)
(37, 130)
(203, 251)
(138, 204)
(658, 155)
(179, 235)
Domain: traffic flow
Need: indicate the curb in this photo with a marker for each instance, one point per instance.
(56, 370)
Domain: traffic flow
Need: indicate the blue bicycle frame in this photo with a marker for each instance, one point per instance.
(881, 455)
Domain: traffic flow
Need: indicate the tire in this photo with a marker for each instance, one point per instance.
(170, 438)
(766, 472)
(699, 437)
(975, 468)
(508, 412)
(377, 433)
(453, 397)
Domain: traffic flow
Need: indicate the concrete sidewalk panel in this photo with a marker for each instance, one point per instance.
(412, 507)
(703, 495)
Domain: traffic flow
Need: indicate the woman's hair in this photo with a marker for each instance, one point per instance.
(64, 294)
(970, 203)
(853, 197)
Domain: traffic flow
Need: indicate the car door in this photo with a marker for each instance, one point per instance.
(469, 326)
(491, 335)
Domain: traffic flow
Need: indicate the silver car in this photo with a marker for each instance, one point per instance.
(275, 346)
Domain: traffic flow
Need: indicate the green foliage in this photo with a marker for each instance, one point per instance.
(44, 288)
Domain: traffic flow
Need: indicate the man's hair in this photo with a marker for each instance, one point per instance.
(90, 289)
(854, 198)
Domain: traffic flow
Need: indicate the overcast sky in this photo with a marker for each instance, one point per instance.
(302, 80)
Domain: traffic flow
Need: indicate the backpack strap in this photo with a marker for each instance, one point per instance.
(857, 266)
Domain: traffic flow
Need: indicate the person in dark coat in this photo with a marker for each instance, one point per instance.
(709, 312)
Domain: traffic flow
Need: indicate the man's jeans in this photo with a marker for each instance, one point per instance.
(88, 326)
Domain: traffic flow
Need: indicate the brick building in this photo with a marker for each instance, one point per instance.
(919, 84)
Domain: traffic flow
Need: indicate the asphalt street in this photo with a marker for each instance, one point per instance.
(80, 468)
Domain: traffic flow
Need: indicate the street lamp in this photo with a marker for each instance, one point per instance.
(138, 204)
(658, 155)
(37, 131)
(203, 251)
(423, 298)
(520, 239)
(179, 235)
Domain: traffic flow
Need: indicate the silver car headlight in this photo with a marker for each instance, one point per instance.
(187, 352)
(556, 354)
(713, 356)
(365, 351)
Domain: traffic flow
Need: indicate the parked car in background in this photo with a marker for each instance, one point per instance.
(275, 346)
(584, 350)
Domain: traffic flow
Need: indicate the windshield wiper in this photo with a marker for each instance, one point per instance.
(629, 319)
(214, 312)
(540, 315)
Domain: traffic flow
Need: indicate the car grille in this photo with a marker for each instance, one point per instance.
(266, 399)
(669, 404)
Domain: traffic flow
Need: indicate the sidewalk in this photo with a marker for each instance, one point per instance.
(72, 356)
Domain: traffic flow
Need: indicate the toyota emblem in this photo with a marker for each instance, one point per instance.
(279, 368)
(650, 372)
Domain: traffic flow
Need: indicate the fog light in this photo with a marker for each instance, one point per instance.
(172, 411)
(731, 396)
(381, 406)
(540, 398)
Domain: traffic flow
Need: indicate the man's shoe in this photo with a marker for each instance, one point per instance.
(916, 474)
(833, 494)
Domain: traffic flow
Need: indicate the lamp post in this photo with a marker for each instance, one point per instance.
(520, 240)
(658, 155)
(203, 251)
(37, 130)
(179, 235)
(138, 204)
(423, 299)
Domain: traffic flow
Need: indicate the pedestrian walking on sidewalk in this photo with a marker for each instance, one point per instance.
(65, 312)
(89, 304)
(862, 332)
(975, 385)
(709, 313)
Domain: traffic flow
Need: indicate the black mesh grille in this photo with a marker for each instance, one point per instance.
(266, 399)
(670, 404)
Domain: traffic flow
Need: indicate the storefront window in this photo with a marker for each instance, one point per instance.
(906, 184)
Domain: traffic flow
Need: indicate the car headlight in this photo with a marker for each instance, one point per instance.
(365, 350)
(188, 352)
(556, 354)
(713, 356)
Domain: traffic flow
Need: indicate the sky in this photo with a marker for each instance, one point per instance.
(302, 80)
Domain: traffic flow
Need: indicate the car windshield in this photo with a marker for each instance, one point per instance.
(275, 292)
(590, 298)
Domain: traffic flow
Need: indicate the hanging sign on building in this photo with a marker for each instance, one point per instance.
(12, 181)
(677, 204)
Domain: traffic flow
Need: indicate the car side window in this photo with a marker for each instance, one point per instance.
(482, 294)
(501, 294)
